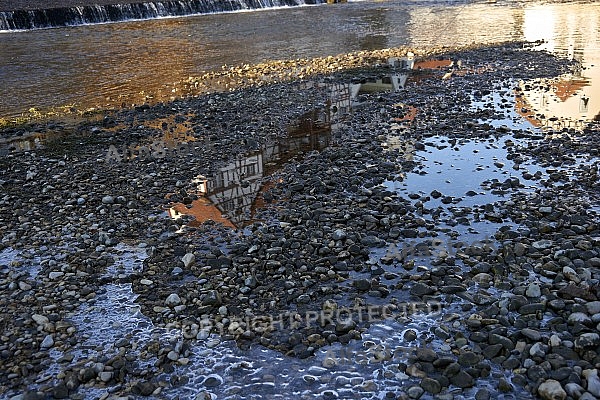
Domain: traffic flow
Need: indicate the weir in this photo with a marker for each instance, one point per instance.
(94, 14)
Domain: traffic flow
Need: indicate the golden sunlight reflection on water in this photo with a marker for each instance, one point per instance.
(132, 62)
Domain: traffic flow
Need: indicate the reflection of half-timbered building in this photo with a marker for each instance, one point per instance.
(229, 196)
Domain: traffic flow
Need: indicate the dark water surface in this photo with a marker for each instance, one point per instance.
(109, 64)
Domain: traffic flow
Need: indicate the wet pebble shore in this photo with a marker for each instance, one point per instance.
(321, 261)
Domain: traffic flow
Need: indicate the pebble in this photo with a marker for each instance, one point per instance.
(172, 300)
(533, 291)
(47, 342)
(188, 259)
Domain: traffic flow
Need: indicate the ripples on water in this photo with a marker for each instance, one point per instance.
(111, 64)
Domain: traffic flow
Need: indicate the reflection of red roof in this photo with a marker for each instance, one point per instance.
(202, 210)
(432, 64)
(523, 108)
(259, 201)
(410, 115)
(567, 88)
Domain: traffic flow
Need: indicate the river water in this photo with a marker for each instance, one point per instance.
(108, 65)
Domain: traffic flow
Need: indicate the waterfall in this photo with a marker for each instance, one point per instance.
(94, 14)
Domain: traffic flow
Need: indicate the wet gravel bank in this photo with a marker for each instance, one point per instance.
(323, 259)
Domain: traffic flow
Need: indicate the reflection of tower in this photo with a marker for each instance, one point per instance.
(544, 100)
(235, 186)
(340, 100)
(583, 104)
(230, 196)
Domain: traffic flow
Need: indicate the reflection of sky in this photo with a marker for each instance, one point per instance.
(447, 168)
(571, 32)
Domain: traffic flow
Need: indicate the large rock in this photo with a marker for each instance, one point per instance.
(421, 289)
(47, 342)
(431, 385)
(188, 259)
(552, 390)
(173, 300)
(212, 298)
(593, 382)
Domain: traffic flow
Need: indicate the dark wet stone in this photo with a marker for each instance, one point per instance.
(572, 291)
(212, 381)
(566, 353)
(517, 301)
(435, 194)
(443, 362)
(452, 289)
(469, 359)
(504, 386)
(462, 380)
(452, 369)
(144, 388)
(536, 373)
(420, 289)
(503, 340)
(479, 336)
(531, 334)
(60, 391)
(410, 335)
(410, 233)
(427, 355)
(483, 394)
(345, 326)
(532, 308)
(511, 363)
(431, 385)
(87, 375)
(519, 380)
(561, 374)
(32, 395)
(492, 351)
(372, 241)
(362, 285)
(415, 392)
(557, 304)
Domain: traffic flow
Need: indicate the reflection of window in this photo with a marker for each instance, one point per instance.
(228, 205)
(219, 181)
(250, 169)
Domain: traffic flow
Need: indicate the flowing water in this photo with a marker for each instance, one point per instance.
(111, 64)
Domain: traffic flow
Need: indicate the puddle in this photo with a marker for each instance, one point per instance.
(362, 369)
(29, 142)
(128, 260)
(444, 197)
(368, 368)
(232, 195)
(235, 192)
(20, 261)
(571, 100)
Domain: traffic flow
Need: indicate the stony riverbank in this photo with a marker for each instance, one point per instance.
(329, 245)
